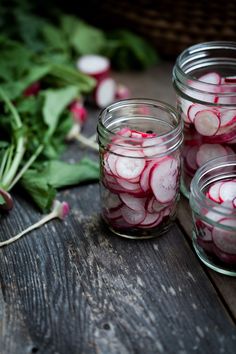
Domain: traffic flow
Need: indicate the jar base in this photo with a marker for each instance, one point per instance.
(211, 261)
(139, 234)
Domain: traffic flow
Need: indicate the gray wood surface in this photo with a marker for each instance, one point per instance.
(72, 287)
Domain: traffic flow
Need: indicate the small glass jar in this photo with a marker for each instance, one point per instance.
(139, 147)
(204, 78)
(213, 203)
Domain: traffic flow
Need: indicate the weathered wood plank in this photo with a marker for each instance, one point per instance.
(82, 290)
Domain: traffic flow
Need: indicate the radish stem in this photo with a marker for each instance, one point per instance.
(60, 210)
(87, 142)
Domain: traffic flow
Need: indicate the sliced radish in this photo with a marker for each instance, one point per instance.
(105, 92)
(153, 147)
(191, 158)
(227, 191)
(193, 110)
(144, 179)
(225, 239)
(228, 117)
(206, 122)
(211, 78)
(207, 152)
(132, 218)
(113, 214)
(214, 192)
(163, 179)
(223, 256)
(130, 167)
(133, 202)
(122, 92)
(151, 220)
(112, 200)
(234, 203)
(129, 186)
(93, 65)
(230, 79)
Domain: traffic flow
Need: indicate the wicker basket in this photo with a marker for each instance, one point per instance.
(170, 25)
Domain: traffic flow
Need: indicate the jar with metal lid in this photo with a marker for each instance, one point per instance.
(139, 146)
(204, 78)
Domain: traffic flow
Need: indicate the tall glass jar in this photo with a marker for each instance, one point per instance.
(139, 146)
(204, 78)
(213, 203)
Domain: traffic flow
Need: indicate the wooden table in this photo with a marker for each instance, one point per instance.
(72, 287)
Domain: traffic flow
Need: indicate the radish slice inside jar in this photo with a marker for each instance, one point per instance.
(206, 122)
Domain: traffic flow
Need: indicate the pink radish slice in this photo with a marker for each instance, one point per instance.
(133, 202)
(129, 186)
(193, 110)
(126, 132)
(163, 179)
(144, 178)
(230, 79)
(234, 203)
(206, 122)
(131, 217)
(228, 117)
(224, 239)
(207, 152)
(227, 191)
(112, 200)
(96, 66)
(105, 92)
(152, 147)
(215, 214)
(130, 167)
(111, 161)
(206, 245)
(214, 192)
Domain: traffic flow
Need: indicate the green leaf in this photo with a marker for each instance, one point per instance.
(88, 40)
(54, 37)
(2, 200)
(55, 103)
(41, 182)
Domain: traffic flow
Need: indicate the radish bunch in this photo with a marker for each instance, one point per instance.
(210, 128)
(140, 181)
(217, 235)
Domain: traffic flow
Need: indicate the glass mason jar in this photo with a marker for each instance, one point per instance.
(213, 203)
(139, 147)
(204, 78)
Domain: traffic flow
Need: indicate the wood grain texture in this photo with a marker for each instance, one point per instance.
(72, 287)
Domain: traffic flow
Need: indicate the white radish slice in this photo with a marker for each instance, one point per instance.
(112, 200)
(206, 122)
(126, 132)
(227, 191)
(193, 110)
(152, 147)
(208, 152)
(132, 166)
(94, 65)
(133, 202)
(224, 239)
(227, 117)
(150, 219)
(105, 92)
(214, 192)
(111, 161)
(129, 186)
(131, 217)
(211, 78)
(234, 203)
(163, 179)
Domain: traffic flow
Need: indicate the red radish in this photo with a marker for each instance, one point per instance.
(163, 179)
(93, 65)
(214, 192)
(133, 202)
(130, 167)
(144, 178)
(154, 146)
(234, 203)
(225, 239)
(193, 110)
(78, 111)
(105, 92)
(230, 79)
(227, 117)
(126, 132)
(206, 122)
(227, 191)
(33, 89)
(129, 186)
(122, 92)
(132, 218)
(207, 152)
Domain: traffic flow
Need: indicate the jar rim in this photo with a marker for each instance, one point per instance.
(149, 102)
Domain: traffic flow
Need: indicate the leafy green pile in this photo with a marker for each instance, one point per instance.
(33, 126)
